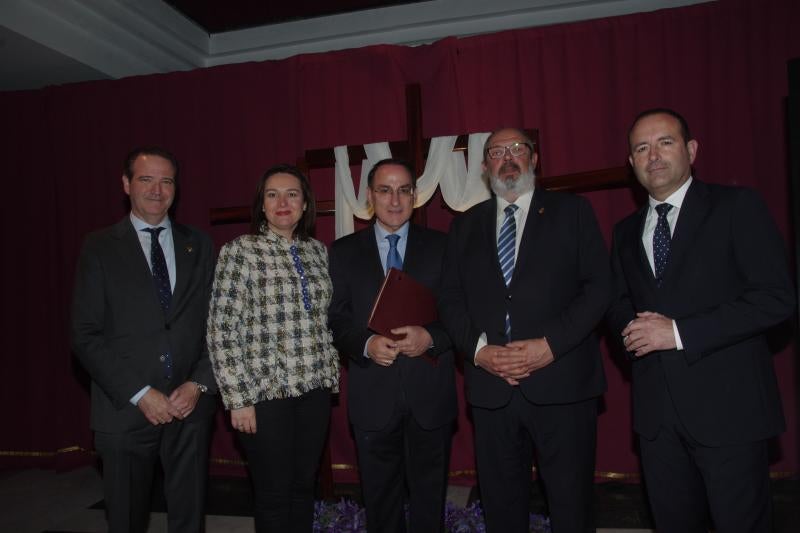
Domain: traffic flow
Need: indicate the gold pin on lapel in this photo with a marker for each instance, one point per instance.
(189, 248)
(541, 210)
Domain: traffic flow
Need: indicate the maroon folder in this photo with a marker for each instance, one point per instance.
(402, 301)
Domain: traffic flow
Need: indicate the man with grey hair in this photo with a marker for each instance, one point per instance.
(526, 280)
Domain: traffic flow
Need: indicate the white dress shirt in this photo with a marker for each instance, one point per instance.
(383, 242)
(676, 201)
(383, 252)
(164, 239)
(520, 216)
(168, 246)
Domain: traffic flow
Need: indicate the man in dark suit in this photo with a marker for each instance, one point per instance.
(138, 327)
(401, 394)
(526, 281)
(699, 277)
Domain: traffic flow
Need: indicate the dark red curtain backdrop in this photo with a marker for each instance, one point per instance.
(722, 64)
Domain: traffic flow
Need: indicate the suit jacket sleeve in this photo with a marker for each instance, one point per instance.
(452, 301)
(115, 374)
(621, 310)
(766, 297)
(229, 313)
(576, 321)
(202, 372)
(441, 340)
(348, 337)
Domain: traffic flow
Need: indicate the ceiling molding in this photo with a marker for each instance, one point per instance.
(116, 37)
(120, 38)
(413, 24)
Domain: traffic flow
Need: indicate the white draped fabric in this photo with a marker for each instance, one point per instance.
(460, 181)
(346, 202)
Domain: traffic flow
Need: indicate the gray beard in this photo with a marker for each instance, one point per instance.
(513, 187)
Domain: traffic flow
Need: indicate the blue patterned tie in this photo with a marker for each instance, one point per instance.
(661, 242)
(393, 259)
(506, 244)
(158, 264)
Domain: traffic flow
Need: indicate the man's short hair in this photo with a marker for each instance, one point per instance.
(392, 161)
(684, 126)
(127, 168)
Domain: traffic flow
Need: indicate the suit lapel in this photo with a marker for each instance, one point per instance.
(488, 233)
(693, 211)
(529, 232)
(133, 259)
(373, 269)
(186, 254)
(414, 247)
(638, 245)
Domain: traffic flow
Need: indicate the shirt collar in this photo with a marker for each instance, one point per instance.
(381, 233)
(523, 202)
(139, 224)
(675, 199)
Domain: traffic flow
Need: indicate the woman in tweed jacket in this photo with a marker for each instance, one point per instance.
(271, 349)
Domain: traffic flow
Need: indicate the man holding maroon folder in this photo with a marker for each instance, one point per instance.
(401, 406)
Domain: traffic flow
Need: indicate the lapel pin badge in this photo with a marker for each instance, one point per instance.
(189, 248)
(541, 210)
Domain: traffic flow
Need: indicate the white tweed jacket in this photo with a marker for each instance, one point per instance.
(262, 341)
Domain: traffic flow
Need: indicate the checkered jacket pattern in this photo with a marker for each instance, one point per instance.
(262, 342)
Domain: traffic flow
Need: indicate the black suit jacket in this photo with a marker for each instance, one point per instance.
(560, 290)
(372, 390)
(725, 284)
(119, 331)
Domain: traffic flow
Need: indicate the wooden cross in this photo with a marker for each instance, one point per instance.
(415, 149)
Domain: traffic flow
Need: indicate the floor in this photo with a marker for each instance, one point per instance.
(40, 501)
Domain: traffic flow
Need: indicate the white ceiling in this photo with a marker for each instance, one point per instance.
(51, 42)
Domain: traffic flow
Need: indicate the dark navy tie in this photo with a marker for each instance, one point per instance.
(158, 264)
(661, 242)
(506, 246)
(393, 259)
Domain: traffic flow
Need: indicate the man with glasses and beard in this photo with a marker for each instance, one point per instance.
(525, 281)
(401, 405)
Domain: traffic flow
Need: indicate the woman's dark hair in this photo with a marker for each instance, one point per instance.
(305, 226)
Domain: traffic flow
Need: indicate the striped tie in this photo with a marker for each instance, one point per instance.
(506, 244)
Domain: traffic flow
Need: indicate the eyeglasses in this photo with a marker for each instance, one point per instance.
(385, 190)
(516, 150)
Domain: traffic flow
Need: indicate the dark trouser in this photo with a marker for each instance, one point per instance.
(686, 479)
(564, 438)
(283, 458)
(129, 460)
(399, 456)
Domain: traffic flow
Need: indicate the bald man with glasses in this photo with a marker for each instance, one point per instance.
(401, 404)
(526, 280)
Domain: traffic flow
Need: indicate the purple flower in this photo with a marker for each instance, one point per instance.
(346, 516)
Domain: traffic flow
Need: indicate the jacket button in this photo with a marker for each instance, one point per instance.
(508, 296)
(162, 358)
